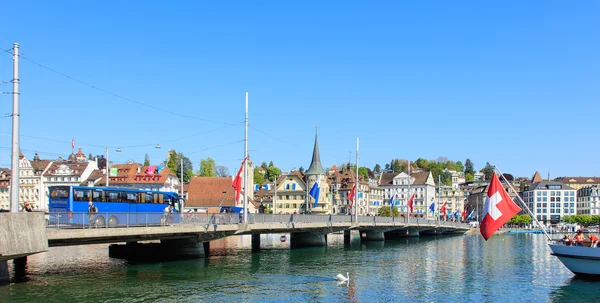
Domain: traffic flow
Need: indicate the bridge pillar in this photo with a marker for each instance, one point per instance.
(255, 242)
(183, 249)
(307, 239)
(20, 269)
(346, 237)
(371, 235)
(206, 248)
(4, 275)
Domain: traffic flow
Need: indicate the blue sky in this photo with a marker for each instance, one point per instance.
(513, 83)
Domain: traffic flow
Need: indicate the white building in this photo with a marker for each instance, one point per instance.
(550, 201)
(588, 200)
(420, 183)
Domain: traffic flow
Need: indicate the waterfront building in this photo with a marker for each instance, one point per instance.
(419, 183)
(340, 185)
(66, 173)
(375, 198)
(39, 168)
(550, 201)
(291, 193)
(152, 178)
(454, 198)
(588, 200)
(476, 199)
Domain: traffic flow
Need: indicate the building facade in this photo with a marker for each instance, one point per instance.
(550, 201)
(421, 184)
(588, 200)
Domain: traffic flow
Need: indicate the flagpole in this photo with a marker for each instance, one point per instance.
(245, 209)
(408, 196)
(524, 204)
(356, 191)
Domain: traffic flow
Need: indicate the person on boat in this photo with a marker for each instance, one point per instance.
(566, 239)
(579, 238)
(593, 240)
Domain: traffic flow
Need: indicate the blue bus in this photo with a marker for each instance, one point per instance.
(116, 206)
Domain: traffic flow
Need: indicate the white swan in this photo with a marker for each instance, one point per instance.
(342, 278)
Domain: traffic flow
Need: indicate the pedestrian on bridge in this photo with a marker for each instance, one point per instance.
(92, 210)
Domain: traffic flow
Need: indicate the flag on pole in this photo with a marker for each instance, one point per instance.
(73, 143)
(351, 195)
(443, 208)
(470, 215)
(464, 214)
(410, 203)
(456, 214)
(237, 183)
(432, 207)
(498, 209)
(392, 199)
(315, 190)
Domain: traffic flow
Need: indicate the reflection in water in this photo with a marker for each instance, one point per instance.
(428, 269)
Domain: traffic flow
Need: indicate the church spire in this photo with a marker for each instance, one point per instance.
(315, 165)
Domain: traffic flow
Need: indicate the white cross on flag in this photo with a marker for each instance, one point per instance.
(498, 209)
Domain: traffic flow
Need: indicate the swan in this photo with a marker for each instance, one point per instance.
(342, 278)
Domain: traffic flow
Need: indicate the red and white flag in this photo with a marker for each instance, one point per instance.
(73, 143)
(237, 183)
(498, 209)
(410, 203)
(351, 195)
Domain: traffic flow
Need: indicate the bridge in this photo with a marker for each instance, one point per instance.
(190, 236)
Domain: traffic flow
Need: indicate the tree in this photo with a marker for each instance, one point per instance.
(385, 212)
(271, 164)
(422, 163)
(90, 157)
(447, 178)
(174, 164)
(264, 165)
(272, 172)
(223, 171)
(387, 167)
(146, 160)
(488, 171)
(377, 169)
(469, 177)
(301, 169)
(258, 177)
(364, 172)
(460, 167)
(208, 167)
(469, 167)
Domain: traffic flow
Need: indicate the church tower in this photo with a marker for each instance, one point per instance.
(315, 170)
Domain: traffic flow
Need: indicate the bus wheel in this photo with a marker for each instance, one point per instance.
(100, 222)
(112, 221)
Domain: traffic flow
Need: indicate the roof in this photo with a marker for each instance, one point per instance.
(420, 178)
(578, 180)
(315, 167)
(40, 165)
(536, 178)
(544, 186)
(66, 169)
(209, 191)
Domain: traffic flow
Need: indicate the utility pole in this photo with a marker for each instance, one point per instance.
(357, 186)
(181, 185)
(14, 176)
(275, 196)
(245, 209)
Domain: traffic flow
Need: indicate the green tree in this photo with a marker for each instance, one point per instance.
(90, 157)
(385, 212)
(208, 167)
(397, 165)
(264, 165)
(364, 172)
(446, 178)
(469, 167)
(422, 163)
(488, 171)
(460, 167)
(222, 171)
(146, 160)
(469, 177)
(173, 163)
(272, 172)
(301, 169)
(377, 169)
(271, 164)
(258, 178)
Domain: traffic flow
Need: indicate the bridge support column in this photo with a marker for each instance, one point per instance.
(20, 269)
(307, 239)
(183, 249)
(206, 249)
(409, 233)
(255, 242)
(346, 237)
(371, 235)
(4, 275)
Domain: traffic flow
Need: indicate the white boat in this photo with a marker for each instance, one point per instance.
(581, 260)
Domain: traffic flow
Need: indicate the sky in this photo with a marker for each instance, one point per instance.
(512, 83)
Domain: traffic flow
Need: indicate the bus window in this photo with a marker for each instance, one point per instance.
(130, 197)
(59, 193)
(113, 196)
(158, 198)
(146, 198)
(81, 194)
(97, 196)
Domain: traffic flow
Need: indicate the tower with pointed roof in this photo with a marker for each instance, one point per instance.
(315, 170)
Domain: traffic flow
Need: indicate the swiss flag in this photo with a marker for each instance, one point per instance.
(498, 209)
(443, 209)
(464, 214)
(237, 183)
(351, 195)
(410, 203)
(73, 143)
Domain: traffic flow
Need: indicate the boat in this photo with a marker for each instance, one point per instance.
(583, 261)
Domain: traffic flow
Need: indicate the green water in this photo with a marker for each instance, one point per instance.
(507, 268)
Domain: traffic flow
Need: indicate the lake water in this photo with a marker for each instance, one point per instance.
(465, 268)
